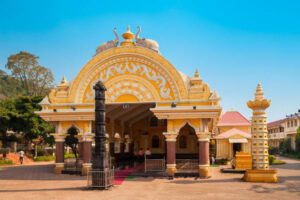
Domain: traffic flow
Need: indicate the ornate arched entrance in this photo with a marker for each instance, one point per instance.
(140, 84)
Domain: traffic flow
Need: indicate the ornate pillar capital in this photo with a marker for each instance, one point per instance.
(170, 136)
(85, 137)
(59, 137)
(203, 136)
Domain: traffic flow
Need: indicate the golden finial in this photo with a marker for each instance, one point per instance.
(64, 80)
(196, 75)
(259, 94)
(128, 37)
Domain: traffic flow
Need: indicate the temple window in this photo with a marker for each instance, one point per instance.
(153, 122)
(291, 123)
(155, 141)
(182, 142)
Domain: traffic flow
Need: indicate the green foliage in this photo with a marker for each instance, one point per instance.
(292, 155)
(71, 140)
(44, 158)
(222, 161)
(19, 115)
(34, 78)
(271, 159)
(4, 150)
(285, 146)
(278, 162)
(70, 155)
(6, 162)
(273, 150)
(298, 141)
(9, 86)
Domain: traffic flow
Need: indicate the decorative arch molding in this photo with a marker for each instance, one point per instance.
(137, 61)
(131, 85)
(189, 123)
(65, 130)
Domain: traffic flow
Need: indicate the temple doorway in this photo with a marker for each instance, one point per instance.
(132, 127)
(237, 147)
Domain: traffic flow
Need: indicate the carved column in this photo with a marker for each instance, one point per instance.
(59, 152)
(171, 152)
(203, 140)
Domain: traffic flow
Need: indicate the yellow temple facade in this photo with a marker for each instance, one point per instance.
(149, 104)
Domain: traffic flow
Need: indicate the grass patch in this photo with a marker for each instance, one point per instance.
(70, 155)
(131, 177)
(214, 165)
(278, 162)
(44, 158)
(6, 162)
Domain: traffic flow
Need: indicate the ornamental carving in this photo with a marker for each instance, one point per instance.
(144, 80)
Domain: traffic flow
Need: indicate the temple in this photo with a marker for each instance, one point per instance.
(149, 104)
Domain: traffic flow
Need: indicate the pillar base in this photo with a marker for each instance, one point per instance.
(171, 170)
(269, 176)
(86, 167)
(203, 171)
(58, 168)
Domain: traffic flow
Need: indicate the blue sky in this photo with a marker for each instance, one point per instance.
(233, 44)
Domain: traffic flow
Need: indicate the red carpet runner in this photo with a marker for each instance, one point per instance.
(122, 174)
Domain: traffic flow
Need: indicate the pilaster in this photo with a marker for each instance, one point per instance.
(204, 167)
(171, 152)
(59, 151)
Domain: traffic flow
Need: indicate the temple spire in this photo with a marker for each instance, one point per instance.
(196, 75)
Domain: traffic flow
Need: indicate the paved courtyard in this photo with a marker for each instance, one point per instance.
(38, 182)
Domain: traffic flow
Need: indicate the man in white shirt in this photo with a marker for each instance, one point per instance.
(21, 156)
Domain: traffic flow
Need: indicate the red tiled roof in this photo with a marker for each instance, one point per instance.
(275, 123)
(233, 118)
(233, 132)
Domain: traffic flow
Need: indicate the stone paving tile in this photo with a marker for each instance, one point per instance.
(38, 182)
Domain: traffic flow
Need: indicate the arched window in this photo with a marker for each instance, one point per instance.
(153, 121)
(155, 141)
(182, 142)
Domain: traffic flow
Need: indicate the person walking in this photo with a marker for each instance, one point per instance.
(21, 156)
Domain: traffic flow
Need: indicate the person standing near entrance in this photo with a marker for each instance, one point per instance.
(147, 152)
(21, 156)
(141, 154)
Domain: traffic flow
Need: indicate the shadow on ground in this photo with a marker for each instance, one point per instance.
(35, 172)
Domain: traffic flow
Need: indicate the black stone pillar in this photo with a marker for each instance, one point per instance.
(100, 157)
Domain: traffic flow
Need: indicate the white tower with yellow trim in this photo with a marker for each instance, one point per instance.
(259, 130)
(260, 170)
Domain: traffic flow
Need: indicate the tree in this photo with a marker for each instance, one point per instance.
(72, 141)
(27, 122)
(298, 140)
(18, 115)
(285, 146)
(9, 86)
(34, 78)
(7, 112)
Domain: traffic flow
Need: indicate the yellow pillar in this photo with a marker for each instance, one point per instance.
(260, 170)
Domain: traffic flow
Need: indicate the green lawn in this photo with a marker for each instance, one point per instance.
(6, 162)
(44, 158)
(278, 162)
